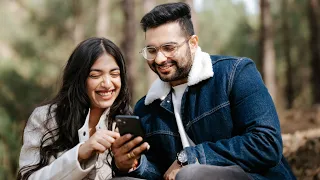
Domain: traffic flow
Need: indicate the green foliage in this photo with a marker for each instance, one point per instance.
(35, 44)
(18, 97)
(9, 146)
(225, 29)
(299, 48)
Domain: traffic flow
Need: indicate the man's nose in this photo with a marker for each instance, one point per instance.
(160, 58)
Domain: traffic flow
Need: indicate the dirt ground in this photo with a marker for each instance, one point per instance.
(301, 141)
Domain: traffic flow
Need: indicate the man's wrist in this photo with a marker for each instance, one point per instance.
(182, 158)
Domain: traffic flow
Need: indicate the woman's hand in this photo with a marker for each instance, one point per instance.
(100, 141)
(127, 152)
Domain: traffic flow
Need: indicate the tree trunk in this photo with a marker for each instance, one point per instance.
(128, 42)
(287, 54)
(313, 14)
(78, 33)
(102, 18)
(148, 5)
(267, 48)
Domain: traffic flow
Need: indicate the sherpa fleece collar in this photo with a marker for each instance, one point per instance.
(201, 70)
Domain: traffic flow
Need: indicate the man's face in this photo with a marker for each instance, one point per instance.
(170, 69)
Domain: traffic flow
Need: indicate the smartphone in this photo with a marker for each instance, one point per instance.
(129, 124)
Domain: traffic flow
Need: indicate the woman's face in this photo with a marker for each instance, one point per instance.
(104, 82)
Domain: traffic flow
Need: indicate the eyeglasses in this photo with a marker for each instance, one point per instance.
(169, 50)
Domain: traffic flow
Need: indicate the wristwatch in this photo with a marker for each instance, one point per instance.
(182, 158)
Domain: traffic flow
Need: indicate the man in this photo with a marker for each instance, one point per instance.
(213, 111)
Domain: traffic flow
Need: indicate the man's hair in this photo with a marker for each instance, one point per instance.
(171, 12)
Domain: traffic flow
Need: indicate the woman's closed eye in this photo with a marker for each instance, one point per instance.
(95, 75)
(115, 74)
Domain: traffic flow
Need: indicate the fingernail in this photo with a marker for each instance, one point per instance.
(148, 147)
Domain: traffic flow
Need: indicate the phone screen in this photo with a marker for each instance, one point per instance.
(129, 124)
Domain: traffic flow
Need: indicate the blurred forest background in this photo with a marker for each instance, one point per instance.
(281, 36)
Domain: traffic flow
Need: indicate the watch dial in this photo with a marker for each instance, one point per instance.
(182, 157)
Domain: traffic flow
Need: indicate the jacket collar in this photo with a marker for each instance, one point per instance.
(201, 70)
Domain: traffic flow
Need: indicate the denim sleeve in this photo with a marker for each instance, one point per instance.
(145, 170)
(259, 143)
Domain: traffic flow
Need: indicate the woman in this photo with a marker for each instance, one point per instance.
(70, 137)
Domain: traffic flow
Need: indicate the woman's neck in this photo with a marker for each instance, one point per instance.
(94, 117)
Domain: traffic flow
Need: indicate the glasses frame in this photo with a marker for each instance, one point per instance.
(177, 46)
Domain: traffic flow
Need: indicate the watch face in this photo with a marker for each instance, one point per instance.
(182, 157)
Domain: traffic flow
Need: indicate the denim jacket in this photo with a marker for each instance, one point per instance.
(226, 111)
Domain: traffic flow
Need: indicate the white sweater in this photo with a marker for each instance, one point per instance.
(66, 166)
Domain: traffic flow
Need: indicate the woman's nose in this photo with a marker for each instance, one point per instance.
(106, 82)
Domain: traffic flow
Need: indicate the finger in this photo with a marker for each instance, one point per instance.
(104, 132)
(99, 147)
(122, 140)
(130, 156)
(124, 163)
(125, 160)
(166, 176)
(102, 138)
(140, 149)
(130, 145)
(108, 138)
(104, 142)
(135, 163)
(113, 134)
(174, 173)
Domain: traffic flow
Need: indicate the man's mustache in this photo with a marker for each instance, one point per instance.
(164, 64)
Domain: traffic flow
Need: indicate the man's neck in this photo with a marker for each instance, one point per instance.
(178, 82)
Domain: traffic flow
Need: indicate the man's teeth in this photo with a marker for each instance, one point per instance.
(165, 66)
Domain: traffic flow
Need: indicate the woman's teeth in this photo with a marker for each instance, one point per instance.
(105, 93)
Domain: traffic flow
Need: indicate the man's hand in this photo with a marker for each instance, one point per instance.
(125, 152)
(172, 171)
(100, 141)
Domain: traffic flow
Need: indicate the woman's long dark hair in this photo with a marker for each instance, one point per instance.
(70, 106)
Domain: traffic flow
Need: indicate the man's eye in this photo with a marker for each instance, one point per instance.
(151, 50)
(168, 48)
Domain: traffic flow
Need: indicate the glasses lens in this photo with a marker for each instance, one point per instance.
(149, 53)
(169, 50)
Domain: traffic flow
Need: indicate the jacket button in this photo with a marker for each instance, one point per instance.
(84, 133)
(168, 101)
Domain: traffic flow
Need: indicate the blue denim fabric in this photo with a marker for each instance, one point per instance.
(230, 117)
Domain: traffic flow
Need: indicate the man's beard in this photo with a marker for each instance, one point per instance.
(180, 72)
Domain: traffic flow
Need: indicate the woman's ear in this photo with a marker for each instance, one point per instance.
(193, 43)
